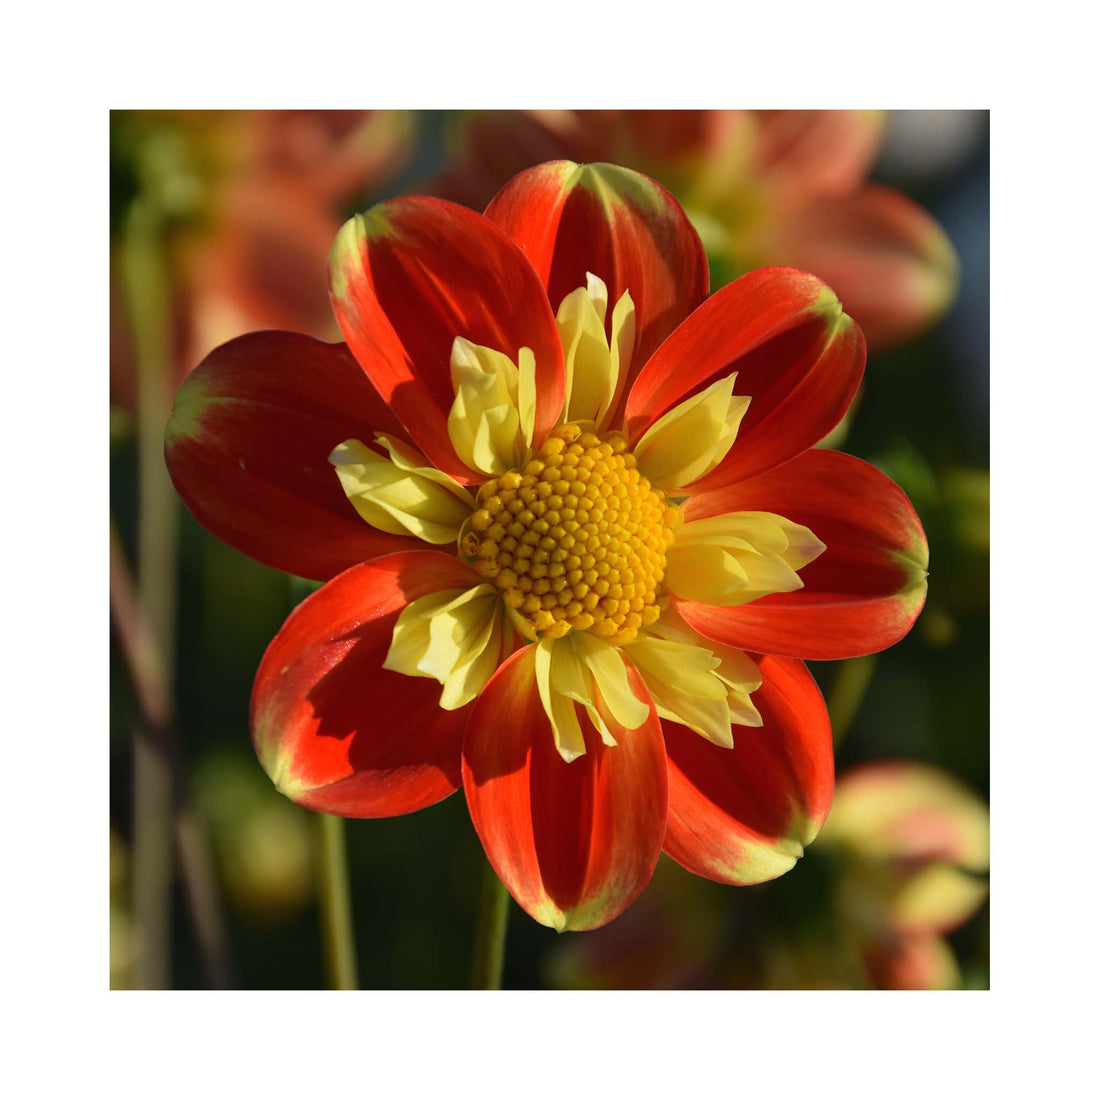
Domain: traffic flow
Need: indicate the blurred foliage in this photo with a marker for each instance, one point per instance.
(922, 418)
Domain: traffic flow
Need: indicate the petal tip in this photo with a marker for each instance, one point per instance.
(914, 560)
(185, 419)
(613, 185)
(278, 765)
(346, 255)
(830, 307)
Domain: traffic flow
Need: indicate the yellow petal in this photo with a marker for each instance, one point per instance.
(734, 669)
(597, 720)
(765, 532)
(742, 710)
(569, 671)
(732, 559)
(476, 667)
(560, 709)
(691, 439)
(597, 294)
(412, 632)
(568, 675)
(453, 628)
(409, 459)
(401, 494)
(455, 636)
(608, 669)
(623, 328)
(681, 678)
(492, 417)
(525, 395)
(705, 573)
(595, 369)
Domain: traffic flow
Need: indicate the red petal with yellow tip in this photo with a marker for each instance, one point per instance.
(410, 275)
(861, 595)
(744, 815)
(571, 219)
(333, 729)
(574, 843)
(248, 442)
(889, 261)
(796, 354)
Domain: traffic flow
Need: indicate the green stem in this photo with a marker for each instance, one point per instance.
(492, 927)
(336, 926)
(147, 290)
(146, 282)
(156, 746)
(846, 693)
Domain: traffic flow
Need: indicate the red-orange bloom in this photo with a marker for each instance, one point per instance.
(762, 187)
(631, 543)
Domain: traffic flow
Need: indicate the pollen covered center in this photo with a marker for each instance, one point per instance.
(575, 540)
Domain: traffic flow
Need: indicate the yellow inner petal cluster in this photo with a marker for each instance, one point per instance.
(579, 547)
(577, 539)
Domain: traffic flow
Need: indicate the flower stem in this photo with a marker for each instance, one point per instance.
(846, 693)
(147, 292)
(155, 737)
(336, 926)
(492, 927)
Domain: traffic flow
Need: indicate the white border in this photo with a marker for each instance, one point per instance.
(69, 68)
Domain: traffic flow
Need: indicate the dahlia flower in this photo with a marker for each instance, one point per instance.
(575, 540)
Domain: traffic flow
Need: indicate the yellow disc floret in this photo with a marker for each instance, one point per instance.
(575, 540)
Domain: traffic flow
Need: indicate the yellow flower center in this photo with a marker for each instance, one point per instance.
(575, 540)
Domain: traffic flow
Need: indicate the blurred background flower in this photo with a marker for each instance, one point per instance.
(913, 848)
(221, 223)
(899, 865)
(761, 187)
(251, 202)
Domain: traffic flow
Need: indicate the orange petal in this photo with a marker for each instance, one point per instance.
(571, 219)
(247, 447)
(744, 815)
(861, 595)
(574, 843)
(334, 730)
(413, 273)
(796, 354)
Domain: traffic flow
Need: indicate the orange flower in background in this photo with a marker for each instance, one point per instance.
(915, 848)
(283, 182)
(253, 199)
(575, 536)
(761, 187)
(906, 851)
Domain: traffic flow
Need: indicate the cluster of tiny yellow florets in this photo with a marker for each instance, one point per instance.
(576, 540)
